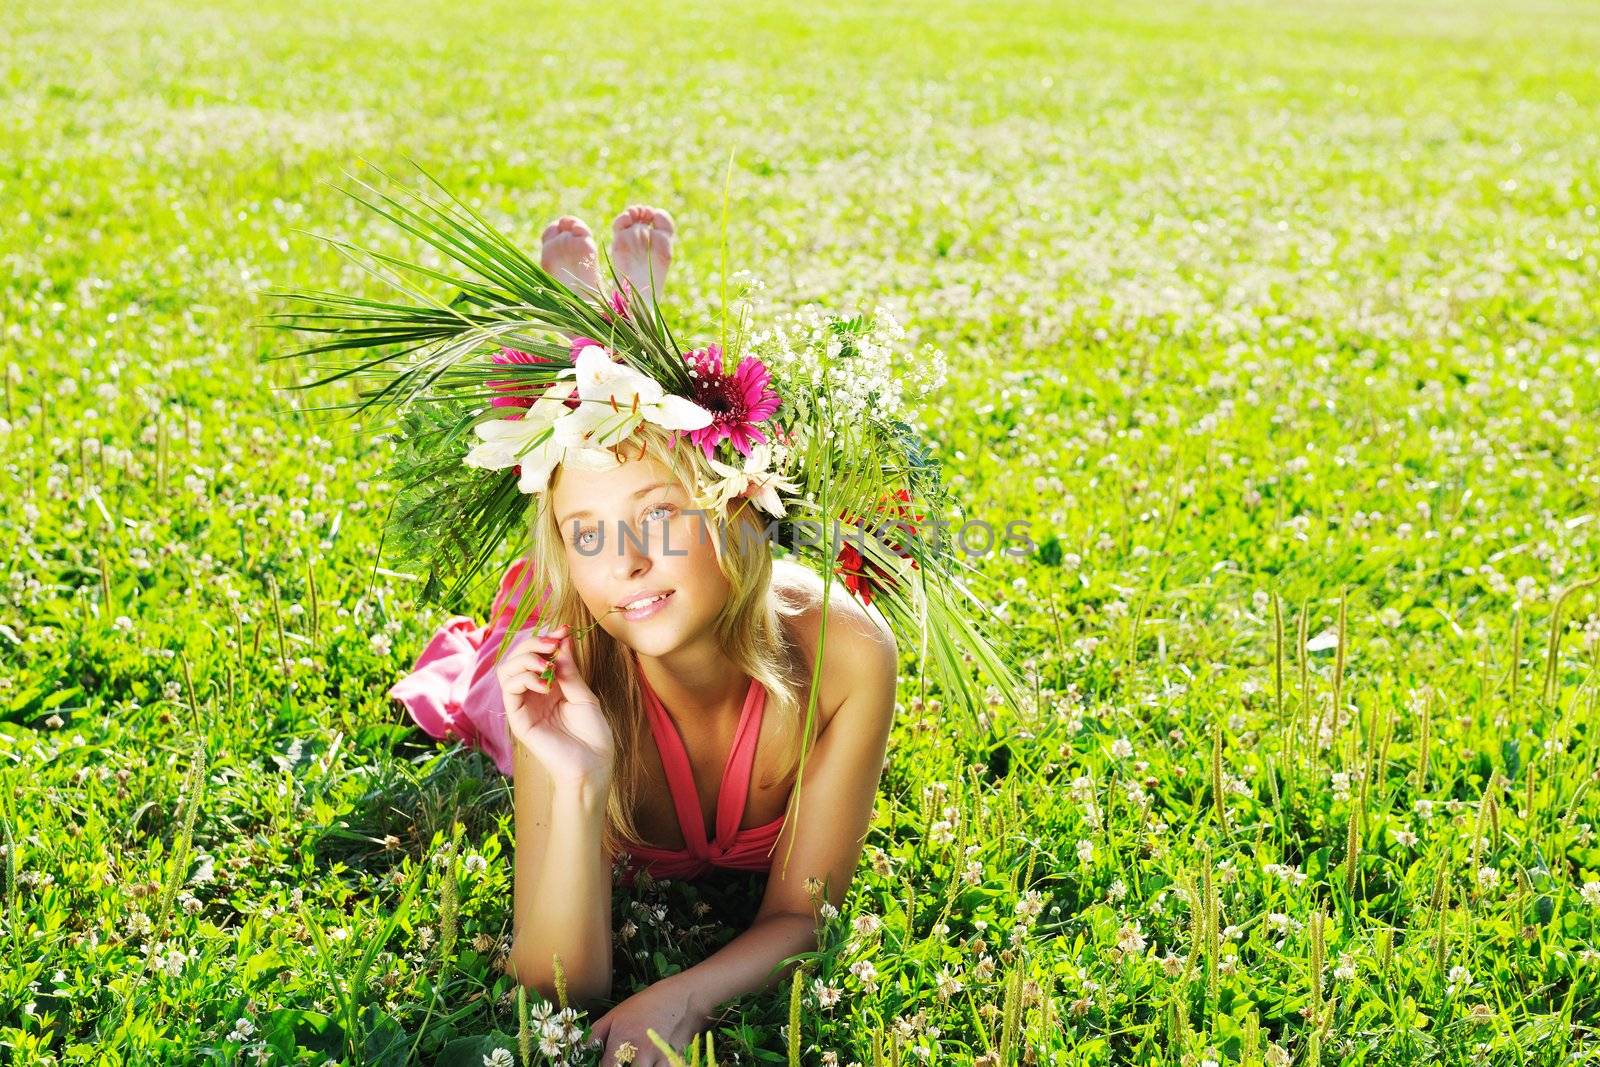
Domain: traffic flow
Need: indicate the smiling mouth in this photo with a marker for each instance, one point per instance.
(644, 602)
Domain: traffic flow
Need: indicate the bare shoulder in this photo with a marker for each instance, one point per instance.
(860, 659)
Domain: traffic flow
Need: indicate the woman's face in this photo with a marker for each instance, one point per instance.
(630, 533)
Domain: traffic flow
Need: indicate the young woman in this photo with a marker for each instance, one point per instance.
(669, 737)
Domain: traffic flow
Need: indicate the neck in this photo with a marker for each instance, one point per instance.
(697, 682)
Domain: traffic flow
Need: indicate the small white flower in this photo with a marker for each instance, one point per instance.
(1131, 940)
(1122, 748)
(867, 924)
(1085, 851)
(500, 1057)
(1488, 877)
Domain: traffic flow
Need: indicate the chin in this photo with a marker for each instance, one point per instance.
(657, 637)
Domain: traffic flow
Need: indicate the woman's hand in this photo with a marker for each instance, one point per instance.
(560, 722)
(664, 1007)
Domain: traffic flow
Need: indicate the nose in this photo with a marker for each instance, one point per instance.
(633, 553)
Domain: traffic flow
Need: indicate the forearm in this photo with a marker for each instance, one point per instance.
(567, 913)
(748, 963)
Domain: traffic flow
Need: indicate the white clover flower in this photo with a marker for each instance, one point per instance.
(827, 994)
(867, 924)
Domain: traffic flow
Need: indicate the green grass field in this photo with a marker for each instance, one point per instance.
(1280, 325)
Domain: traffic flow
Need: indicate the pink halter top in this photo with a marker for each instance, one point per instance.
(744, 849)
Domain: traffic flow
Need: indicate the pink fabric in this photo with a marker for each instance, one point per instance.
(739, 849)
(452, 692)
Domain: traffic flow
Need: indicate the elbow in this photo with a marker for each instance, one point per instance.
(583, 990)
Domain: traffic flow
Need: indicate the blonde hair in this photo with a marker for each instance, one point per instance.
(750, 629)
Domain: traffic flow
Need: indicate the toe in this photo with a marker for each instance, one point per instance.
(566, 224)
(648, 219)
(661, 220)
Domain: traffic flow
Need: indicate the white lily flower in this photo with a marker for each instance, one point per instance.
(508, 442)
(753, 480)
(616, 399)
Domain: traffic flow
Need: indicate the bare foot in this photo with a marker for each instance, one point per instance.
(568, 251)
(641, 248)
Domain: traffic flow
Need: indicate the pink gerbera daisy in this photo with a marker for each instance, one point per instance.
(519, 394)
(515, 394)
(736, 401)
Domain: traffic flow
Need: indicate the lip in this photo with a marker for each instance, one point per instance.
(649, 609)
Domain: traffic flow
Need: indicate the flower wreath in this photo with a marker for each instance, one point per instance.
(807, 419)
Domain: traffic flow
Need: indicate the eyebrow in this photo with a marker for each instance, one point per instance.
(637, 493)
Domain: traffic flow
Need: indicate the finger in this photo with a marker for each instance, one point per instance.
(536, 666)
(571, 680)
(524, 682)
(536, 643)
(532, 662)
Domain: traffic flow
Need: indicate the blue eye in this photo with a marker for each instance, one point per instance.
(668, 508)
(578, 540)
